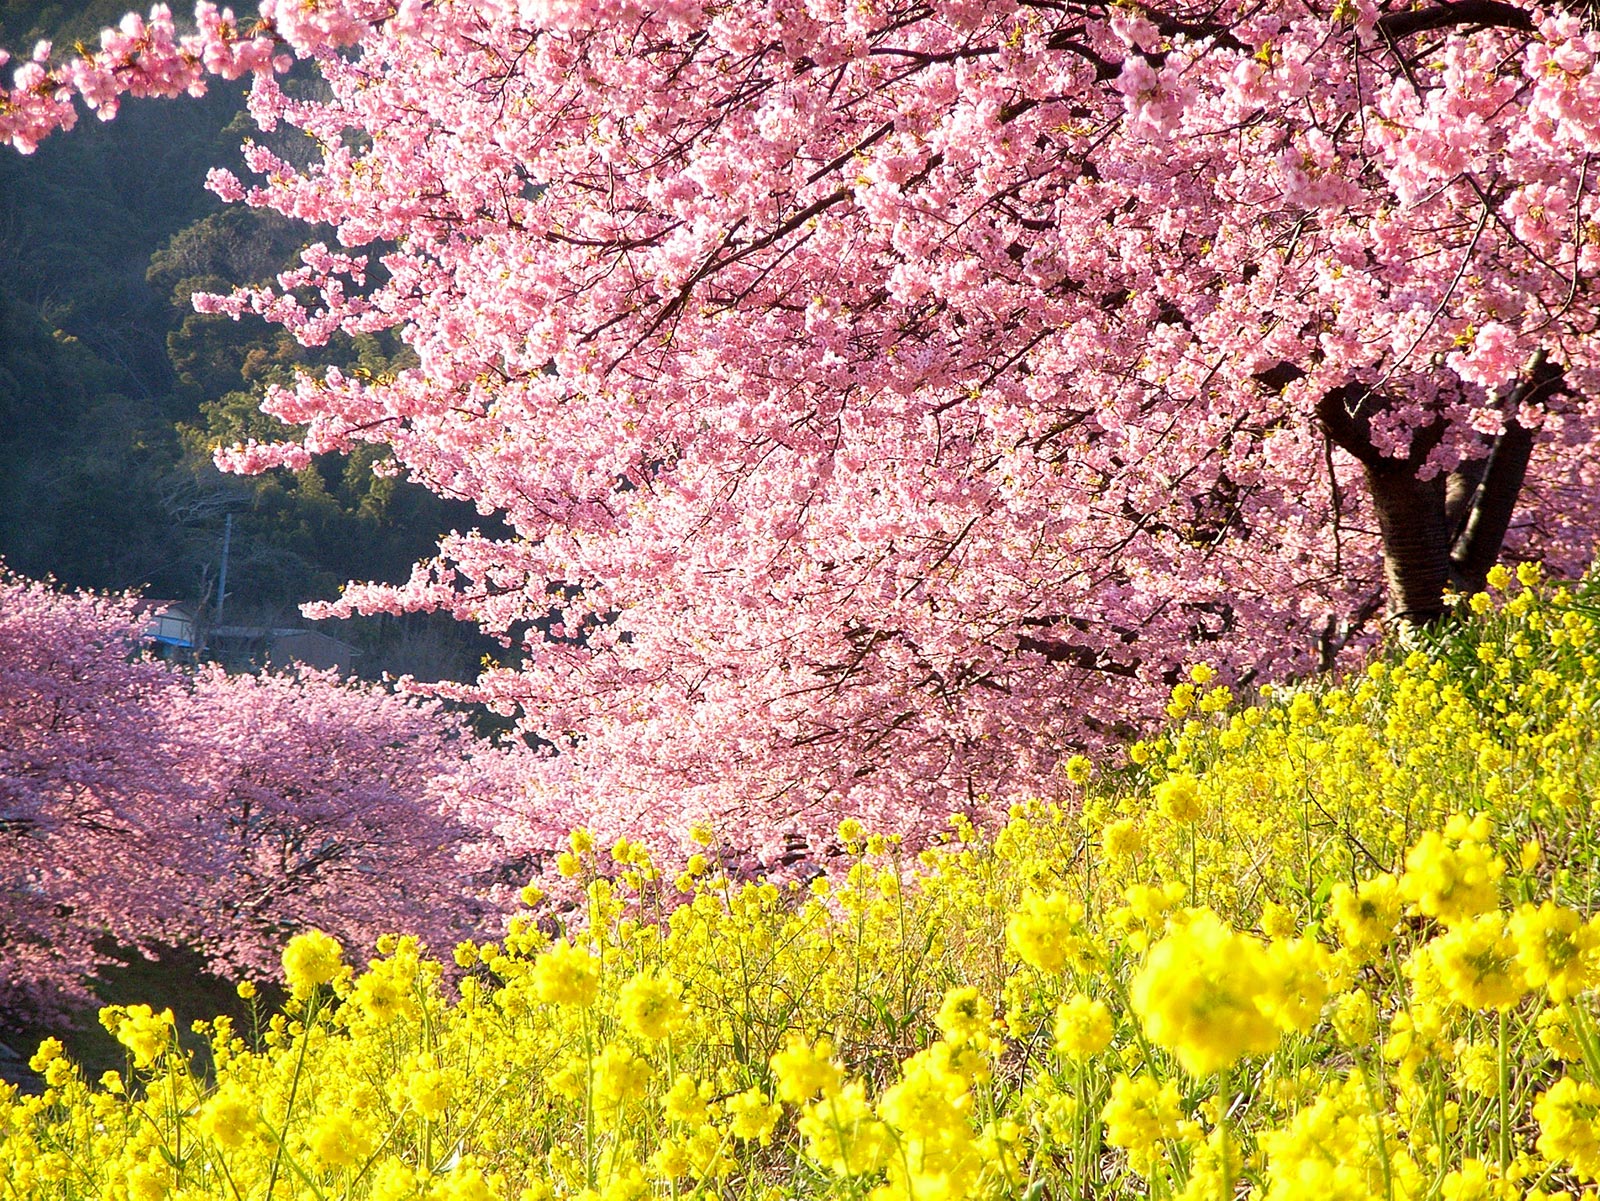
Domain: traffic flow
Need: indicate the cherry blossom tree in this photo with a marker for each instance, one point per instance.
(143, 804)
(887, 398)
(322, 805)
(80, 742)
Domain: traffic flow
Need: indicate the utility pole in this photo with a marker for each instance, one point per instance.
(222, 579)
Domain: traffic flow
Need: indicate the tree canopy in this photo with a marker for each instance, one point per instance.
(886, 399)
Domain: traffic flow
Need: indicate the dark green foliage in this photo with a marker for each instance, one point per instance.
(23, 22)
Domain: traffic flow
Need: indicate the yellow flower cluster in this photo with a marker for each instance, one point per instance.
(1203, 994)
(311, 959)
(1338, 943)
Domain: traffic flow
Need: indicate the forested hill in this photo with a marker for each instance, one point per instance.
(113, 391)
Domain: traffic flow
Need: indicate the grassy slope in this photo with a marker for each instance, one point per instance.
(1194, 981)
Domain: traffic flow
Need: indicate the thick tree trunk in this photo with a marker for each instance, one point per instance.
(1411, 512)
(1444, 531)
(1416, 541)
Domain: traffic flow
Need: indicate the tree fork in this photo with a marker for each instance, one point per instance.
(1411, 512)
(1443, 531)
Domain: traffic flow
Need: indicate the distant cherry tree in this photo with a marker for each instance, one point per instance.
(80, 745)
(142, 804)
(888, 398)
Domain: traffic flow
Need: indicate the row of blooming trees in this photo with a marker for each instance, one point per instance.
(886, 396)
(142, 804)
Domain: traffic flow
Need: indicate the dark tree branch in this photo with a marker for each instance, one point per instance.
(1483, 529)
(1459, 491)
(1483, 532)
(1448, 16)
(1346, 415)
(1085, 657)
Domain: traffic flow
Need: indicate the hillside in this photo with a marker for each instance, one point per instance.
(113, 392)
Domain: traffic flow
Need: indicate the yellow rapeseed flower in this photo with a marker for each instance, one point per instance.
(651, 1005)
(1453, 875)
(1083, 1027)
(1556, 947)
(1300, 972)
(752, 1116)
(1568, 1114)
(1474, 1180)
(1333, 1150)
(427, 1088)
(928, 1103)
(1303, 709)
(1043, 931)
(687, 1101)
(148, 1182)
(385, 992)
(228, 1118)
(1277, 921)
(1200, 994)
(965, 1016)
(1354, 1018)
(145, 1033)
(803, 1069)
(50, 1050)
(1477, 1066)
(1178, 798)
(340, 1138)
(1476, 963)
(1364, 916)
(842, 1134)
(1557, 1036)
(620, 1077)
(566, 975)
(1123, 839)
(311, 959)
(1141, 1114)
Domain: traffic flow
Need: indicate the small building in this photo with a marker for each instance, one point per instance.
(310, 648)
(169, 625)
(172, 630)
